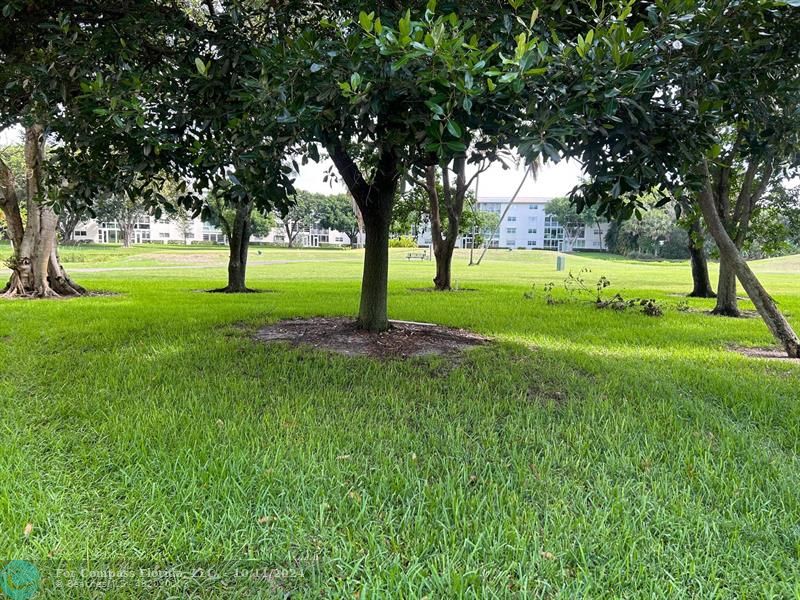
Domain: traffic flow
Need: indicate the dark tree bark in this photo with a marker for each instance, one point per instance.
(452, 201)
(373, 311)
(701, 281)
(238, 230)
(735, 217)
(375, 201)
(291, 234)
(36, 268)
(444, 239)
(67, 223)
(727, 302)
(773, 318)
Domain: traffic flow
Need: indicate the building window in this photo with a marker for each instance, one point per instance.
(531, 231)
(512, 218)
(164, 235)
(511, 242)
(531, 242)
(80, 234)
(511, 230)
(580, 244)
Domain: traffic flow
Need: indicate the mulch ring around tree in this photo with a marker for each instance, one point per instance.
(403, 340)
(768, 353)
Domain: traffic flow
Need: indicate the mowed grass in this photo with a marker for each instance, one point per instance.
(586, 454)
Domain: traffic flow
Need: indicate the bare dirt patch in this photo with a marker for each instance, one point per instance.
(403, 340)
(770, 353)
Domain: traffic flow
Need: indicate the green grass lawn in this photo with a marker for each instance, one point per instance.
(586, 454)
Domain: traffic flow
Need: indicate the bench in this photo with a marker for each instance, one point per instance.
(417, 255)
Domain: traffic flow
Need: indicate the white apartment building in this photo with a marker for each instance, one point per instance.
(526, 225)
(149, 230)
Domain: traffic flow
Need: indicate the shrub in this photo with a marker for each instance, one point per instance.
(405, 241)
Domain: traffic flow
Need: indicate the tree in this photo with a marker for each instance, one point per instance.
(775, 226)
(165, 92)
(705, 77)
(573, 223)
(125, 210)
(479, 223)
(68, 219)
(301, 215)
(338, 212)
(366, 106)
(692, 222)
(47, 49)
(755, 87)
(12, 184)
(446, 202)
(36, 268)
(238, 228)
(411, 212)
(183, 220)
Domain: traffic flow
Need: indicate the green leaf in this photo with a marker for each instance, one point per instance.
(456, 146)
(201, 66)
(454, 129)
(366, 20)
(405, 25)
(435, 108)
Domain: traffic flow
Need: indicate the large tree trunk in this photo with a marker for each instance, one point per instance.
(442, 279)
(127, 234)
(701, 287)
(373, 312)
(240, 232)
(67, 223)
(36, 268)
(443, 252)
(701, 281)
(375, 201)
(444, 242)
(764, 303)
(736, 221)
(289, 236)
(727, 303)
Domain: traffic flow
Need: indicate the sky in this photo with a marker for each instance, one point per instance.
(553, 180)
